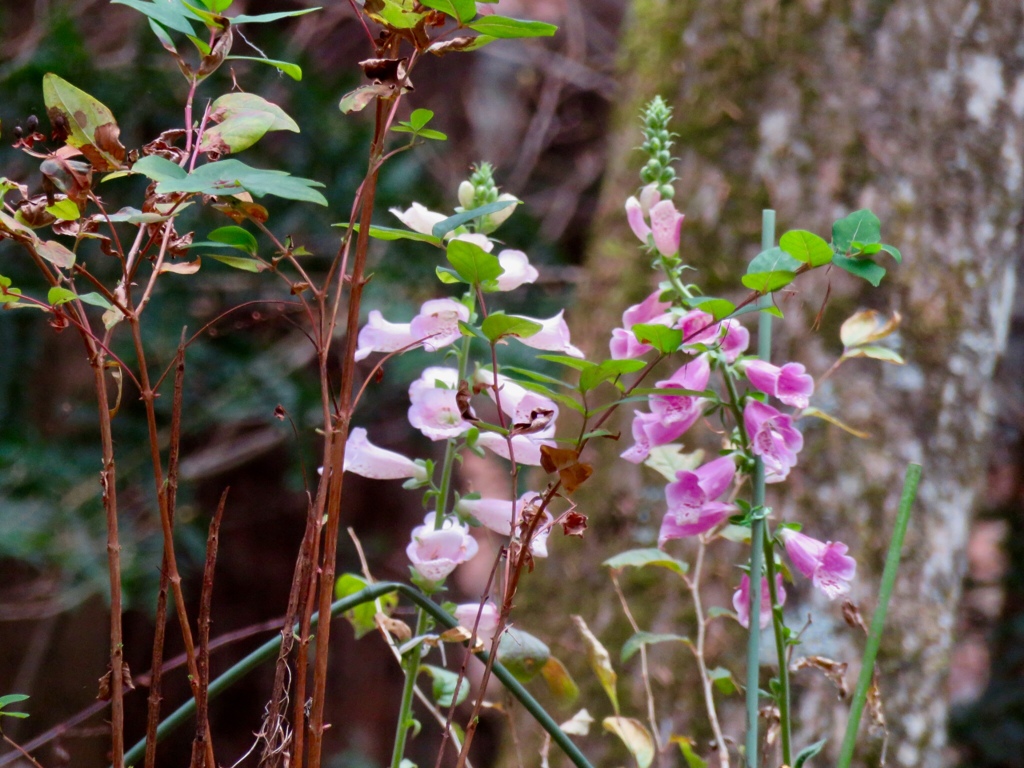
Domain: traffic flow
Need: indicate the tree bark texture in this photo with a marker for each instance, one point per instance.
(915, 109)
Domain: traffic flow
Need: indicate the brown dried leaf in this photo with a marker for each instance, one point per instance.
(833, 670)
(852, 616)
(574, 524)
(395, 627)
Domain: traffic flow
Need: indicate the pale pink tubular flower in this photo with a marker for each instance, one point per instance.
(636, 218)
(741, 600)
(497, 515)
(518, 270)
(552, 337)
(519, 403)
(791, 383)
(379, 335)
(482, 241)
(826, 564)
(650, 310)
(692, 509)
(435, 553)
(434, 410)
(624, 344)
(466, 614)
(418, 218)
(666, 226)
(526, 447)
(367, 460)
(772, 437)
(438, 323)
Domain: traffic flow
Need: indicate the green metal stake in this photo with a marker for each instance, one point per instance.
(892, 562)
(764, 349)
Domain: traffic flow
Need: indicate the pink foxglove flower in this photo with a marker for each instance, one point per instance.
(497, 514)
(518, 270)
(366, 459)
(791, 383)
(772, 437)
(467, 613)
(435, 410)
(553, 336)
(692, 509)
(651, 310)
(741, 600)
(438, 323)
(671, 415)
(519, 403)
(435, 553)
(637, 211)
(418, 218)
(526, 447)
(698, 328)
(734, 341)
(379, 335)
(824, 563)
(666, 226)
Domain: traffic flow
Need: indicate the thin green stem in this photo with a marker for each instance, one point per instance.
(892, 563)
(778, 625)
(412, 668)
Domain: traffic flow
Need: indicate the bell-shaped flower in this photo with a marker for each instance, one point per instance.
(525, 447)
(734, 341)
(692, 509)
(438, 323)
(698, 328)
(435, 552)
(502, 517)
(484, 617)
(480, 240)
(435, 409)
(791, 383)
(637, 218)
(671, 415)
(651, 310)
(520, 404)
(741, 600)
(379, 335)
(518, 270)
(772, 437)
(553, 336)
(826, 564)
(366, 459)
(418, 218)
(666, 227)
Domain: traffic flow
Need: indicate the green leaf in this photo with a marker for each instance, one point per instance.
(65, 209)
(362, 616)
(536, 376)
(766, 282)
(390, 233)
(472, 262)
(600, 661)
(236, 133)
(717, 308)
(498, 325)
(56, 254)
(444, 684)
(638, 558)
(263, 18)
(807, 753)
(861, 225)
(236, 237)
(560, 682)
(91, 126)
(430, 133)
(294, 71)
(806, 247)
(661, 337)
(693, 760)
(358, 99)
(420, 117)
(442, 228)
(460, 10)
(884, 354)
(158, 169)
(635, 736)
(722, 680)
(448, 276)
(571, 362)
(607, 370)
(229, 177)
(893, 251)
(506, 28)
(58, 295)
(640, 639)
(862, 268)
(11, 698)
(170, 13)
(239, 262)
(232, 104)
(773, 260)
(522, 654)
(96, 300)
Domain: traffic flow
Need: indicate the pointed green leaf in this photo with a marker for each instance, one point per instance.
(442, 228)
(607, 370)
(506, 28)
(229, 177)
(236, 237)
(722, 680)
(236, 133)
(448, 276)
(362, 616)
(806, 247)
(498, 325)
(522, 654)
(443, 688)
(170, 13)
(263, 18)
(717, 308)
(96, 300)
(862, 226)
(662, 338)
(773, 260)
(460, 10)
(862, 268)
(807, 753)
(640, 639)
(294, 71)
(58, 295)
(12, 698)
(766, 282)
(239, 262)
(65, 209)
(390, 233)
(472, 262)
(693, 760)
(158, 168)
(638, 558)
(232, 104)
(893, 251)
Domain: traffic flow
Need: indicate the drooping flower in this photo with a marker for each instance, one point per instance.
(488, 613)
(734, 341)
(497, 514)
(553, 336)
(379, 335)
(666, 227)
(434, 409)
(791, 383)
(772, 437)
(826, 564)
(438, 323)
(476, 238)
(741, 600)
(650, 311)
(368, 460)
(435, 553)
(418, 218)
(526, 447)
(518, 270)
(692, 509)
(519, 403)
(698, 328)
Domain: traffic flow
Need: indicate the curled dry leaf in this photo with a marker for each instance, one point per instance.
(833, 670)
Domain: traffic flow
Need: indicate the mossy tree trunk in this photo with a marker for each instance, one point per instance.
(914, 108)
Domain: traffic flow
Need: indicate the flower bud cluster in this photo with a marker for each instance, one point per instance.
(658, 170)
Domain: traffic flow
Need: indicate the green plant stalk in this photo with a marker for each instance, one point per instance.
(778, 625)
(412, 668)
(270, 649)
(757, 525)
(892, 562)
